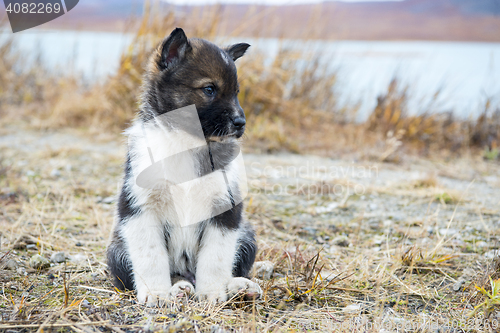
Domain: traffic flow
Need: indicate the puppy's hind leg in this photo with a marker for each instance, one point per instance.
(245, 257)
(245, 254)
(119, 263)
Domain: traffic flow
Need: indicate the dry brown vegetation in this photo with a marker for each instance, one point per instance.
(434, 130)
(403, 255)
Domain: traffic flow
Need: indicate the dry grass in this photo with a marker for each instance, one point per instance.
(349, 265)
(433, 130)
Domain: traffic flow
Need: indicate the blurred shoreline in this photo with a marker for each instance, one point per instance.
(463, 72)
(301, 96)
(445, 20)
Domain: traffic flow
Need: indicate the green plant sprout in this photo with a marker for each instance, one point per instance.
(492, 299)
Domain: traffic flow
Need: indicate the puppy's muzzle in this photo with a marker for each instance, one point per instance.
(239, 123)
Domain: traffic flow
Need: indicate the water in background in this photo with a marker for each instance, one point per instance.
(95, 55)
(466, 73)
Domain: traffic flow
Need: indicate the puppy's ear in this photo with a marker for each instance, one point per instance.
(174, 49)
(237, 50)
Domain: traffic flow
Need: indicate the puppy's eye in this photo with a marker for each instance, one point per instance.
(209, 91)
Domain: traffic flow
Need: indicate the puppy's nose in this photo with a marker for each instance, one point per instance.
(239, 122)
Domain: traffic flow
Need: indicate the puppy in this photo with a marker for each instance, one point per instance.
(175, 235)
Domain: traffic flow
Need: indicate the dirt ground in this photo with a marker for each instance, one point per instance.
(354, 246)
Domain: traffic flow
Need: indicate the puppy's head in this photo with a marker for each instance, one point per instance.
(186, 71)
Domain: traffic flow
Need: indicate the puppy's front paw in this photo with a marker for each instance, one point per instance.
(244, 287)
(181, 289)
(152, 298)
(213, 295)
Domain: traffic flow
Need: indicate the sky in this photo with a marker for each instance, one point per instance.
(267, 2)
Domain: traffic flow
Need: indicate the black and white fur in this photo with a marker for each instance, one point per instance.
(151, 251)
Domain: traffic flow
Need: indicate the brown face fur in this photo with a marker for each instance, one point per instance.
(182, 72)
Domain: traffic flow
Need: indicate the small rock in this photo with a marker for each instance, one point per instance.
(39, 262)
(31, 247)
(320, 240)
(448, 232)
(397, 320)
(78, 259)
(372, 206)
(310, 230)
(379, 239)
(21, 243)
(468, 274)
(352, 308)
(397, 217)
(341, 241)
(426, 240)
(55, 173)
(58, 257)
(329, 275)
(374, 224)
(353, 225)
(108, 200)
(332, 249)
(217, 329)
(492, 254)
(388, 223)
(30, 173)
(331, 207)
(333, 228)
(264, 269)
(11, 264)
(458, 285)
(85, 303)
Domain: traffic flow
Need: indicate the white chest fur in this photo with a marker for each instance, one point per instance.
(188, 202)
